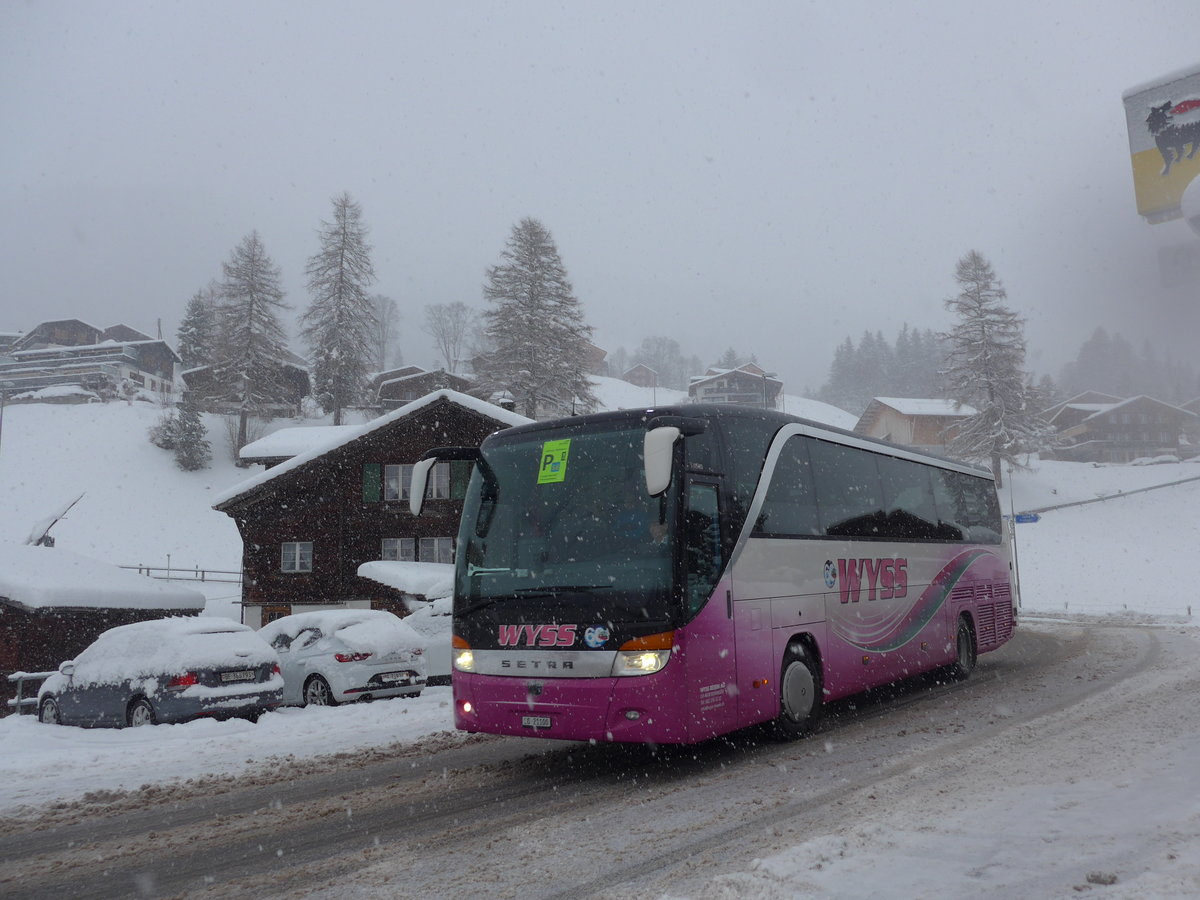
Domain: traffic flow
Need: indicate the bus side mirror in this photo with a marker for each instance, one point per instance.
(658, 456)
(416, 490)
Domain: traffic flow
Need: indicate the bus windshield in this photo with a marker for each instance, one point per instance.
(565, 516)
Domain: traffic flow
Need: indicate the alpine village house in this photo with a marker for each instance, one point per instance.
(309, 522)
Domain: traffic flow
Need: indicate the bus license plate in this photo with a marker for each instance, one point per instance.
(535, 721)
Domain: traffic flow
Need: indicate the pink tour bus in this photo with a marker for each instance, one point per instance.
(673, 574)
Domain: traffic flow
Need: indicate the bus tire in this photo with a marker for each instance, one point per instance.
(965, 651)
(800, 697)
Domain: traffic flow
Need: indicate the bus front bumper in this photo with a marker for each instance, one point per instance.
(635, 709)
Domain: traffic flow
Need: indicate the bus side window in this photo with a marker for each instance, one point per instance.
(790, 506)
(849, 495)
(703, 544)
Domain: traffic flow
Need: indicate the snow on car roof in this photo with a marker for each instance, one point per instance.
(176, 644)
(48, 578)
(368, 629)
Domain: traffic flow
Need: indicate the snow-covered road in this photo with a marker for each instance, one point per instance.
(1062, 765)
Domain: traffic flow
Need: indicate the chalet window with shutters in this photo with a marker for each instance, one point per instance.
(398, 479)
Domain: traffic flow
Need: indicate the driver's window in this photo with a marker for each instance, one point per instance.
(703, 547)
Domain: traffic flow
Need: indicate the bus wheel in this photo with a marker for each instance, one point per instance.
(964, 663)
(800, 703)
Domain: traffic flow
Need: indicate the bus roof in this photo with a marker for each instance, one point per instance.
(727, 411)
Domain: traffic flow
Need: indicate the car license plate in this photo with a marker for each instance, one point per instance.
(388, 677)
(535, 721)
(247, 675)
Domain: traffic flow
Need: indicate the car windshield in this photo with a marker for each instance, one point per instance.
(565, 514)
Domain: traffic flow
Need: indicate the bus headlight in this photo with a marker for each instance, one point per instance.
(640, 662)
(461, 654)
(644, 655)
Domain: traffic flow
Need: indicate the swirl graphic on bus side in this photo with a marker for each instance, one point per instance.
(899, 629)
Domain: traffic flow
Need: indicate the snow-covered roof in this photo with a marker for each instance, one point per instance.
(1113, 407)
(421, 374)
(740, 370)
(422, 579)
(294, 441)
(107, 344)
(353, 433)
(49, 578)
(917, 406)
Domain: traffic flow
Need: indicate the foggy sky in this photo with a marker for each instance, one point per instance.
(771, 177)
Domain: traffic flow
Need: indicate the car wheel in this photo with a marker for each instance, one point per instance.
(964, 663)
(317, 692)
(48, 712)
(140, 713)
(800, 703)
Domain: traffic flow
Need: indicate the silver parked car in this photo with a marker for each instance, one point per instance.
(338, 655)
(165, 670)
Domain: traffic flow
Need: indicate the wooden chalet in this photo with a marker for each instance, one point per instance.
(924, 423)
(641, 375)
(396, 388)
(308, 523)
(747, 384)
(1120, 431)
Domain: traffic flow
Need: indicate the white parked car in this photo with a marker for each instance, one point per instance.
(339, 655)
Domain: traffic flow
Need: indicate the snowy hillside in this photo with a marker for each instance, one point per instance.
(138, 506)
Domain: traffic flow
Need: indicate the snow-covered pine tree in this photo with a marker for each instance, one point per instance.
(449, 324)
(192, 449)
(985, 369)
(251, 346)
(536, 328)
(340, 324)
(197, 335)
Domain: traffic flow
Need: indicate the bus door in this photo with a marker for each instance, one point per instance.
(709, 657)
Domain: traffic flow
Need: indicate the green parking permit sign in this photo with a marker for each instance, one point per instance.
(553, 466)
